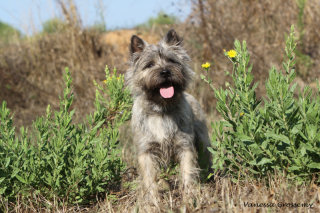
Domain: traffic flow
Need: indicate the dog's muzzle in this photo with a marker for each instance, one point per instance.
(165, 73)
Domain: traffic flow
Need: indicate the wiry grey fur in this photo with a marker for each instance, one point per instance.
(165, 129)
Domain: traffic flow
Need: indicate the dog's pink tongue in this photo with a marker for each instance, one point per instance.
(167, 92)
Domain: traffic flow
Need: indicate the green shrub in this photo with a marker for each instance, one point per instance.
(279, 135)
(8, 33)
(63, 161)
(98, 27)
(53, 25)
(161, 19)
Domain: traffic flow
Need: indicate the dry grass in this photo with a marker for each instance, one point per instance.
(222, 195)
(215, 24)
(31, 70)
(120, 40)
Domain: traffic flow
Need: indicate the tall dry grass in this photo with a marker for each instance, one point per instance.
(222, 195)
(214, 25)
(226, 196)
(31, 69)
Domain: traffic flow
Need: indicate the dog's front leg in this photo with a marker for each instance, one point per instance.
(188, 167)
(148, 171)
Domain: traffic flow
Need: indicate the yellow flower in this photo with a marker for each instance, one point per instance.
(206, 65)
(108, 79)
(232, 53)
(241, 114)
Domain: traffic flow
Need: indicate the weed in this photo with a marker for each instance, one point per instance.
(61, 160)
(279, 136)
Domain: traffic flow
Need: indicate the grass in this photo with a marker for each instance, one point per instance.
(223, 195)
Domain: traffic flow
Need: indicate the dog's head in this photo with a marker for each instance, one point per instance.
(159, 71)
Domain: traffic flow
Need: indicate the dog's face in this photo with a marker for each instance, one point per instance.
(161, 71)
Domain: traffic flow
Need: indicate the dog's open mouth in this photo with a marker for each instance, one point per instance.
(167, 92)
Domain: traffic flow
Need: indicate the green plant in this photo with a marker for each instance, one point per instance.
(100, 25)
(301, 6)
(8, 33)
(304, 61)
(161, 19)
(53, 25)
(63, 161)
(282, 135)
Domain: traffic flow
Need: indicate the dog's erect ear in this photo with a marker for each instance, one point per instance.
(172, 38)
(137, 44)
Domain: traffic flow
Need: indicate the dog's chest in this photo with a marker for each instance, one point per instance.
(162, 127)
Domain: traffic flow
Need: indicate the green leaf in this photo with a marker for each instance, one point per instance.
(314, 165)
(264, 161)
(303, 150)
(2, 179)
(7, 162)
(296, 129)
(277, 137)
(311, 130)
(211, 150)
(202, 77)
(21, 179)
(294, 168)
(3, 190)
(245, 138)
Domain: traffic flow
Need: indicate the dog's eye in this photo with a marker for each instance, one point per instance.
(172, 61)
(149, 65)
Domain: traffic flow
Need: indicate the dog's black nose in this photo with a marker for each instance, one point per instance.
(165, 73)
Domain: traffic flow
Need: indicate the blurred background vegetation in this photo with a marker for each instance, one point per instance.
(8, 33)
(31, 66)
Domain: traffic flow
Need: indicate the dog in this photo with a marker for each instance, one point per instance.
(167, 123)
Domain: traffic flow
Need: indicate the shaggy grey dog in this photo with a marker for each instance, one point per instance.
(167, 123)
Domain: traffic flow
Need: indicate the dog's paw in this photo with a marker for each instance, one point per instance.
(150, 197)
(189, 192)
